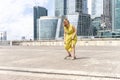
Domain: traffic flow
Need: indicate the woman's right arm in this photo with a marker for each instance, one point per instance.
(64, 37)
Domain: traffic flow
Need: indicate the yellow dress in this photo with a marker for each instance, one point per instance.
(69, 42)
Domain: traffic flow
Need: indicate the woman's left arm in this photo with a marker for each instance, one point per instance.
(75, 32)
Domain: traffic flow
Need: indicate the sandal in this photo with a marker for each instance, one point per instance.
(73, 58)
(67, 57)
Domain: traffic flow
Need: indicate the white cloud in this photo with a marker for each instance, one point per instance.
(16, 17)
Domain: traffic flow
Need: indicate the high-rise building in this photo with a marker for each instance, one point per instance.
(81, 22)
(63, 7)
(107, 14)
(77, 13)
(85, 7)
(110, 19)
(97, 8)
(74, 6)
(68, 7)
(48, 28)
(60, 7)
(38, 12)
(97, 16)
(116, 15)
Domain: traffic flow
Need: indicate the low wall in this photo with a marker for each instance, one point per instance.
(85, 42)
(5, 43)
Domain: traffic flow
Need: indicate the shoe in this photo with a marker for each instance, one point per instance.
(67, 57)
(73, 58)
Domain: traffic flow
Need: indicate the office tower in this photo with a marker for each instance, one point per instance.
(74, 6)
(110, 20)
(85, 7)
(116, 15)
(97, 16)
(77, 13)
(67, 7)
(97, 8)
(107, 14)
(38, 12)
(60, 7)
(47, 28)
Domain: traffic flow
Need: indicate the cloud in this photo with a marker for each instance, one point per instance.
(16, 17)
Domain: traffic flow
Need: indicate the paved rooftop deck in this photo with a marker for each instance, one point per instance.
(102, 63)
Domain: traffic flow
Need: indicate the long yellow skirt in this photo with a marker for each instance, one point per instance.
(69, 43)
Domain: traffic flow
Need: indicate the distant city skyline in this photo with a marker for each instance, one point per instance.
(51, 28)
(17, 16)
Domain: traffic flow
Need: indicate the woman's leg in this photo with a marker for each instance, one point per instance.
(69, 54)
(73, 52)
(67, 49)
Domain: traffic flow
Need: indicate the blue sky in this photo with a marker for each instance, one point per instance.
(16, 16)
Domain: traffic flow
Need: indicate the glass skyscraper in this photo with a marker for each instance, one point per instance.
(47, 28)
(97, 16)
(74, 6)
(67, 7)
(85, 8)
(110, 19)
(38, 12)
(97, 8)
(107, 13)
(116, 15)
(77, 13)
(60, 7)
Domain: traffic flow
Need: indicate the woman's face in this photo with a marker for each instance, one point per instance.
(66, 23)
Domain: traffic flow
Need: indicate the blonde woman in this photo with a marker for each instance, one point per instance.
(70, 39)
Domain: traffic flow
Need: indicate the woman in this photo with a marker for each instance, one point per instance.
(70, 39)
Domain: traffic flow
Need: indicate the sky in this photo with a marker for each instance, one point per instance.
(16, 16)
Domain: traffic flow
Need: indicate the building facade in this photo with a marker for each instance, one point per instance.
(48, 28)
(116, 15)
(77, 13)
(97, 16)
(81, 22)
(38, 12)
(97, 8)
(110, 19)
(85, 7)
(74, 6)
(60, 7)
(107, 14)
(68, 7)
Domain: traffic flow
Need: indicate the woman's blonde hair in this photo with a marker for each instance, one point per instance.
(66, 20)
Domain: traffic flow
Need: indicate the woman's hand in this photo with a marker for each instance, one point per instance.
(64, 37)
(73, 37)
(64, 42)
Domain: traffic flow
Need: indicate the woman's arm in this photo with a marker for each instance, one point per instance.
(64, 37)
(75, 32)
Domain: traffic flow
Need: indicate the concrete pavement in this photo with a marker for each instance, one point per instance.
(95, 63)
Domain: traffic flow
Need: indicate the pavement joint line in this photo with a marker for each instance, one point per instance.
(61, 72)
